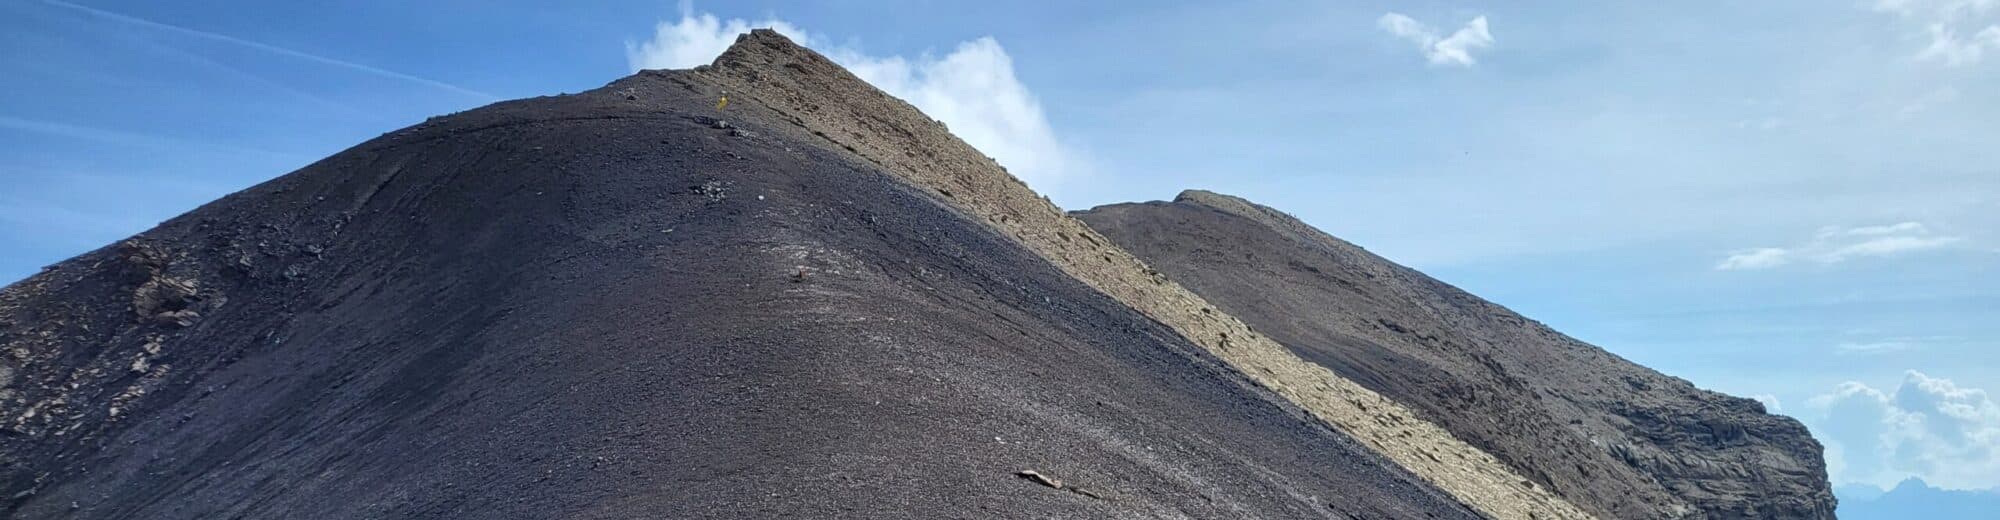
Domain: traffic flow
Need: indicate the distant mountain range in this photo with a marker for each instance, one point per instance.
(1914, 498)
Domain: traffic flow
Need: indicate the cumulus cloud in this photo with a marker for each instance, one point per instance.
(1960, 32)
(696, 39)
(972, 89)
(1928, 427)
(1453, 50)
(1832, 245)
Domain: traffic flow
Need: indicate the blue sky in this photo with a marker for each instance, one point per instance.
(1785, 199)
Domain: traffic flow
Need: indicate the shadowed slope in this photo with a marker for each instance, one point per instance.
(1604, 432)
(609, 305)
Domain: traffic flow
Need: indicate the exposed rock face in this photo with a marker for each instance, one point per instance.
(608, 305)
(1615, 437)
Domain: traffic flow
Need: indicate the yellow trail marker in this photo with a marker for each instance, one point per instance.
(723, 103)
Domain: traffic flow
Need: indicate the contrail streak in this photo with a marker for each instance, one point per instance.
(120, 137)
(271, 49)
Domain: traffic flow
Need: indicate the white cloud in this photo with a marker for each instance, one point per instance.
(1771, 403)
(1928, 427)
(1947, 46)
(1960, 31)
(973, 89)
(1889, 229)
(696, 39)
(1832, 245)
(1886, 246)
(1759, 258)
(1454, 50)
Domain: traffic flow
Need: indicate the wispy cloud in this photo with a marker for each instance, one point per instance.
(1453, 50)
(1952, 49)
(1927, 427)
(1765, 123)
(1870, 342)
(1832, 245)
(1960, 32)
(273, 49)
(238, 73)
(1930, 100)
(972, 89)
(123, 138)
(1875, 347)
(1759, 258)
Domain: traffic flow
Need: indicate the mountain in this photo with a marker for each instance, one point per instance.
(1849, 494)
(1614, 437)
(831, 104)
(811, 302)
(1913, 498)
(627, 303)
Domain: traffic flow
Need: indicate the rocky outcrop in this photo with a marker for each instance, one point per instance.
(1612, 436)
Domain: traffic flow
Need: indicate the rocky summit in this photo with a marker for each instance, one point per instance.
(811, 302)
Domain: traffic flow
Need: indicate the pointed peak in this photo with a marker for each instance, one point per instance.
(772, 66)
(766, 47)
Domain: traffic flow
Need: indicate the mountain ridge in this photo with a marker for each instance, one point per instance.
(1914, 498)
(833, 104)
(620, 303)
(817, 302)
(1615, 436)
